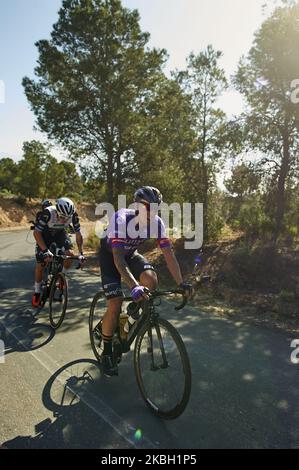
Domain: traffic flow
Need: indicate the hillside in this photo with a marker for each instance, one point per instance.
(259, 282)
(14, 212)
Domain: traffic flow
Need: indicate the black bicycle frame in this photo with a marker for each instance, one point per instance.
(148, 313)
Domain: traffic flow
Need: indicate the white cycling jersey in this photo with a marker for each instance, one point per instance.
(48, 219)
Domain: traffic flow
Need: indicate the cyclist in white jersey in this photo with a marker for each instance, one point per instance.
(51, 226)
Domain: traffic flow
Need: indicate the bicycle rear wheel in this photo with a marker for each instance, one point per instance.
(58, 300)
(162, 369)
(97, 310)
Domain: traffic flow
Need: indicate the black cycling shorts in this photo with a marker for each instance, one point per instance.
(111, 279)
(60, 238)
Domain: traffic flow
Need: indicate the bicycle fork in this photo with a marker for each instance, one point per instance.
(150, 348)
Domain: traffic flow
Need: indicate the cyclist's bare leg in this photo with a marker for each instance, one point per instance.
(38, 272)
(149, 279)
(110, 318)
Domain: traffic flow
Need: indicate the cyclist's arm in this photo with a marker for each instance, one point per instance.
(79, 241)
(172, 264)
(123, 268)
(42, 219)
(39, 240)
(77, 229)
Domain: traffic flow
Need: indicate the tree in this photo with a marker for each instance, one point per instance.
(244, 205)
(204, 81)
(163, 140)
(8, 170)
(30, 170)
(72, 184)
(264, 77)
(92, 77)
(54, 176)
(244, 180)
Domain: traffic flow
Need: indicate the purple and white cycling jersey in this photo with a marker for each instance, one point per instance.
(124, 231)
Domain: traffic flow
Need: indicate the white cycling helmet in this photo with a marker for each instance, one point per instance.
(65, 207)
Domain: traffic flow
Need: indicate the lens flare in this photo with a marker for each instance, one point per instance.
(138, 434)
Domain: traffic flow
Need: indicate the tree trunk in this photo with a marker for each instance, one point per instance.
(118, 174)
(281, 196)
(110, 192)
(204, 172)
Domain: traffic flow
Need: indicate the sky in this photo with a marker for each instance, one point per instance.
(179, 26)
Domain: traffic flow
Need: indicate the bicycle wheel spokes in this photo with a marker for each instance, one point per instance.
(97, 310)
(58, 300)
(162, 369)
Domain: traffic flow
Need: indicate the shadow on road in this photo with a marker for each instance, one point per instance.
(16, 287)
(21, 331)
(78, 420)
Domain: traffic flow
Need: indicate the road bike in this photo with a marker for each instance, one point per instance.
(55, 286)
(161, 363)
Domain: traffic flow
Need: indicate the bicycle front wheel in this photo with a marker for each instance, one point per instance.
(58, 300)
(162, 369)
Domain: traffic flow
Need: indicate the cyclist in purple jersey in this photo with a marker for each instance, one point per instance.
(120, 260)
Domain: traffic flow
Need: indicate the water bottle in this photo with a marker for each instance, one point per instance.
(123, 318)
(133, 312)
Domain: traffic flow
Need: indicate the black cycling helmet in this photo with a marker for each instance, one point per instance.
(46, 203)
(148, 194)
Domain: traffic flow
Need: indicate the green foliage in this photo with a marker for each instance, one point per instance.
(71, 180)
(94, 190)
(92, 241)
(101, 93)
(20, 200)
(264, 78)
(215, 216)
(6, 193)
(286, 296)
(244, 180)
(93, 76)
(30, 169)
(204, 81)
(7, 174)
(39, 175)
(252, 262)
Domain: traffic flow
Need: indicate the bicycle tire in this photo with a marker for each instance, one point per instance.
(56, 324)
(179, 408)
(94, 302)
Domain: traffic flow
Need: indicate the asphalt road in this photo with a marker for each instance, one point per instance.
(245, 391)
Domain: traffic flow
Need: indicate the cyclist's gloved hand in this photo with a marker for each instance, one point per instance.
(187, 287)
(81, 259)
(47, 254)
(139, 292)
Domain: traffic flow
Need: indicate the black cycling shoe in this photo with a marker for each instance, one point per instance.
(110, 369)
